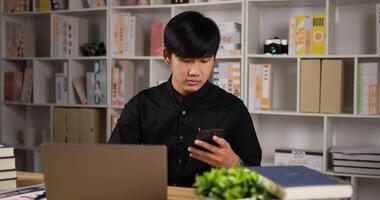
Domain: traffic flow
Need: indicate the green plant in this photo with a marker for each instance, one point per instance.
(232, 183)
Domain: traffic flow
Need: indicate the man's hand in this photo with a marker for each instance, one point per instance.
(218, 156)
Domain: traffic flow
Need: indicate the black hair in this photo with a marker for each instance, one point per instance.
(191, 35)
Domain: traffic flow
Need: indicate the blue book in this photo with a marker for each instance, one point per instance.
(298, 182)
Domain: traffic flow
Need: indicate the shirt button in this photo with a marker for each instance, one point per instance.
(180, 161)
(183, 112)
(181, 137)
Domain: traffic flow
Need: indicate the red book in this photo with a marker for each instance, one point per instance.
(156, 38)
(8, 86)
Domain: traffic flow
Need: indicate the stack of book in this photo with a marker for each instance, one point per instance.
(7, 167)
(20, 40)
(230, 42)
(128, 33)
(96, 3)
(122, 76)
(260, 87)
(367, 87)
(66, 37)
(227, 76)
(61, 85)
(356, 160)
(307, 35)
(17, 87)
(17, 5)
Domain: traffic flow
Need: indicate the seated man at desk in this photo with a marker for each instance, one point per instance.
(171, 113)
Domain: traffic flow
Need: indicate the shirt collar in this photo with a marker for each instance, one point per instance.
(191, 98)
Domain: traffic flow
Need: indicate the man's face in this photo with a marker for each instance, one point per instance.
(190, 74)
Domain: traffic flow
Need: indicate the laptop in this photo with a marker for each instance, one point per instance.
(104, 171)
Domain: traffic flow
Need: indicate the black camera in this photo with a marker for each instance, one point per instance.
(93, 49)
(275, 46)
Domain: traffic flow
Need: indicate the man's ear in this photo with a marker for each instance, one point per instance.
(167, 56)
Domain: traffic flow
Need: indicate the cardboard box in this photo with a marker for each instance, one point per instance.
(73, 125)
(59, 125)
(90, 126)
(310, 85)
(332, 86)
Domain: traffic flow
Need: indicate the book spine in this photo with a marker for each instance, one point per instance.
(103, 81)
(27, 87)
(292, 36)
(378, 27)
(300, 35)
(122, 83)
(65, 96)
(252, 87)
(97, 92)
(59, 88)
(359, 86)
(372, 97)
(90, 87)
(318, 43)
(115, 84)
(258, 86)
(267, 87)
(17, 85)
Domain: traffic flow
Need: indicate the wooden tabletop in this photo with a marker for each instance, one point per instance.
(174, 193)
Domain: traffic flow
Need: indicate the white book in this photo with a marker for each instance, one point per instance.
(266, 97)
(356, 163)
(66, 83)
(90, 87)
(59, 88)
(292, 36)
(357, 170)
(251, 87)
(369, 88)
(259, 86)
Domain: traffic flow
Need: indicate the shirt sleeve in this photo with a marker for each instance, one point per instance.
(244, 141)
(128, 127)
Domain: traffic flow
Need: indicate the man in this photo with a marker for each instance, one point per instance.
(173, 112)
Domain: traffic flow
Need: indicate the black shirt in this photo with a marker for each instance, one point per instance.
(157, 116)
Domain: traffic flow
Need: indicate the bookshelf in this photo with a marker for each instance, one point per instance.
(282, 126)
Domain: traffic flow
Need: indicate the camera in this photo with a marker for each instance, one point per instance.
(93, 49)
(275, 46)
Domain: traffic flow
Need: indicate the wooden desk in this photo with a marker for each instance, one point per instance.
(174, 193)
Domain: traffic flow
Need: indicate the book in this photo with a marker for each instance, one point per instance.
(27, 85)
(378, 27)
(59, 87)
(312, 159)
(18, 76)
(369, 153)
(8, 174)
(318, 32)
(79, 89)
(298, 182)
(7, 163)
(44, 5)
(157, 38)
(30, 192)
(367, 85)
(356, 163)
(8, 184)
(292, 36)
(357, 170)
(6, 150)
(90, 87)
(266, 98)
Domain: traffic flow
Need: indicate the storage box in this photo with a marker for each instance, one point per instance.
(310, 85)
(332, 86)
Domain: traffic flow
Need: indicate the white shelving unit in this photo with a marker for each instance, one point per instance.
(351, 36)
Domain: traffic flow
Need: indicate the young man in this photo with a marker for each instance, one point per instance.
(173, 112)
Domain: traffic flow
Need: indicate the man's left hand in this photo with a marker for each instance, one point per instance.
(218, 156)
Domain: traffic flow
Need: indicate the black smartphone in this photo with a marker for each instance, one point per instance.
(206, 135)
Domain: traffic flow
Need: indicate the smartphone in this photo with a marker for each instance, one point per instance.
(206, 135)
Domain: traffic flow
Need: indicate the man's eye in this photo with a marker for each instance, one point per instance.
(205, 61)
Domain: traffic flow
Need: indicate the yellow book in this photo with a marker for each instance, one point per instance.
(318, 43)
(45, 5)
